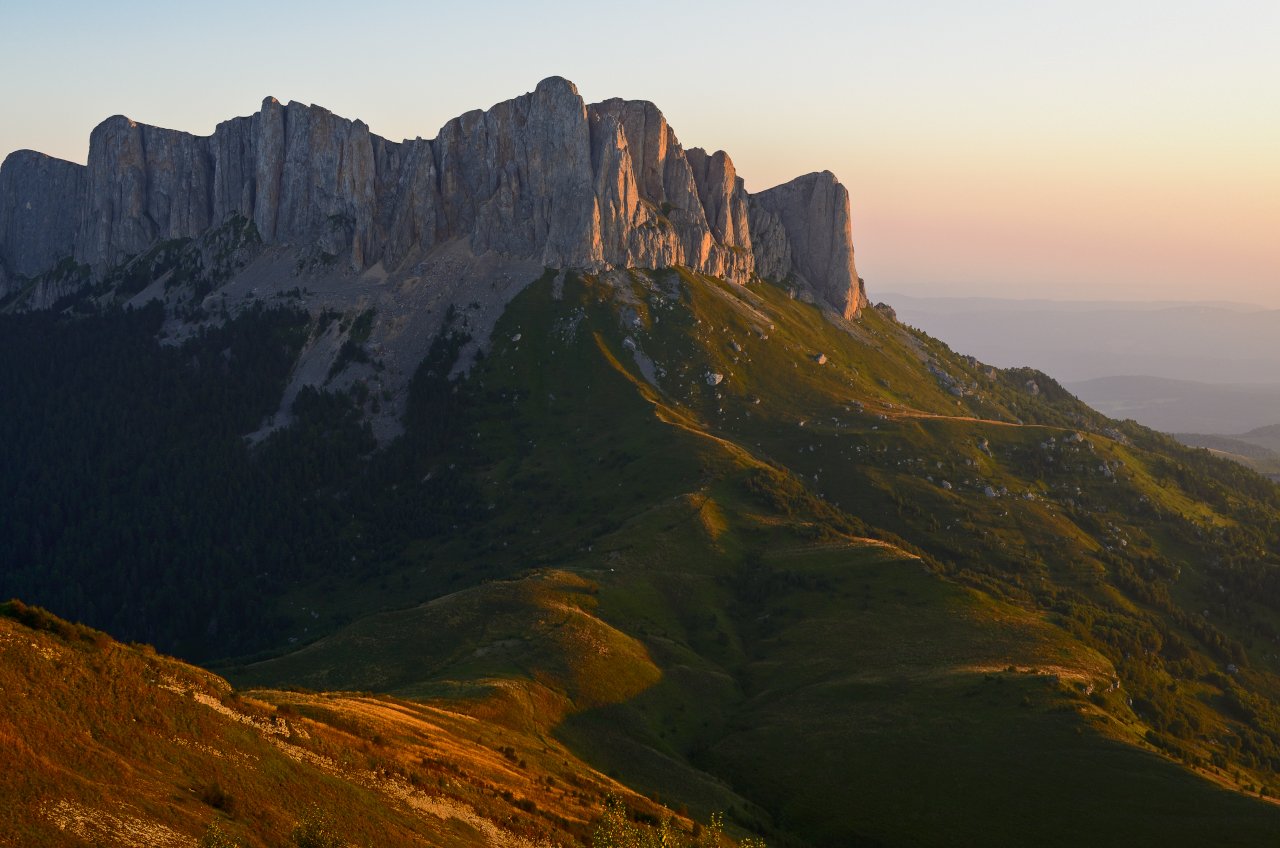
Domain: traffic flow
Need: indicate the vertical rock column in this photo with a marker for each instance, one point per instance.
(812, 213)
(40, 199)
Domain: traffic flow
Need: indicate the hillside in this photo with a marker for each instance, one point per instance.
(1258, 449)
(1248, 453)
(1266, 437)
(746, 570)
(690, 581)
(107, 744)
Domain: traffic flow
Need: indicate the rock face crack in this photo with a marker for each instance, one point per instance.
(543, 177)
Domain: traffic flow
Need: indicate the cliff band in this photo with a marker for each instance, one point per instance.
(544, 177)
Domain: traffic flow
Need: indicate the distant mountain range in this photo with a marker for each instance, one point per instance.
(1210, 342)
(1209, 367)
(1183, 406)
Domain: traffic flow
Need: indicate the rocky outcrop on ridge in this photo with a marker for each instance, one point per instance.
(808, 219)
(543, 177)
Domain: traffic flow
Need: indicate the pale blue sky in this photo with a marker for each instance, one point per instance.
(1053, 149)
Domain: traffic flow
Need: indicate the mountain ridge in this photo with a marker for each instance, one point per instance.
(542, 177)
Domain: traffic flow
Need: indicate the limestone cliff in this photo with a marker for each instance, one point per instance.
(810, 237)
(543, 177)
(40, 201)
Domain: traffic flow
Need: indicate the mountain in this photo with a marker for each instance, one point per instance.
(405, 229)
(543, 177)
(1210, 342)
(1182, 406)
(721, 540)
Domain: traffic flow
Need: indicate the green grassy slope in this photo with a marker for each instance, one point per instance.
(840, 581)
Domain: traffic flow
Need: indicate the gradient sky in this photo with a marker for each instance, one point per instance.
(1118, 150)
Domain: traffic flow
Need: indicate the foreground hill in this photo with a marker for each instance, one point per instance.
(107, 744)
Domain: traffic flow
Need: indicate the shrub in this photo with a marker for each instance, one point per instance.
(316, 830)
(214, 837)
(38, 618)
(215, 796)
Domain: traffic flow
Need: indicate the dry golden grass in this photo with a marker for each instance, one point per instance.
(107, 744)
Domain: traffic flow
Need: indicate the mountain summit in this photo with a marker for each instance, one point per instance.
(544, 177)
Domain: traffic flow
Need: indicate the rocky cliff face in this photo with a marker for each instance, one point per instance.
(40, 201)
(809, 220)
(543, 177)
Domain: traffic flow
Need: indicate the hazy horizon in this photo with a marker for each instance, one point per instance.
(1212, 343)
(1081, 151)
(933, 296)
